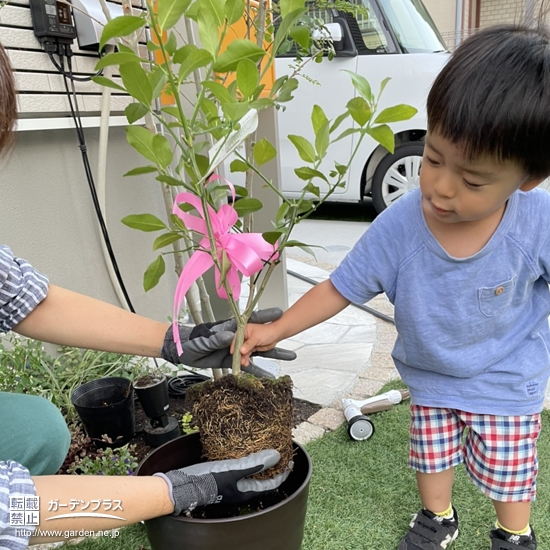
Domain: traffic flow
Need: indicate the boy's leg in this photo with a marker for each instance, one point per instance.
(501, 459)
(33, 433)
(436, 489)
(513, 516)
(435, 448)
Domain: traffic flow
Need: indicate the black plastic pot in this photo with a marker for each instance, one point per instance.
(106, 406)
(279, 527)
(154, 397)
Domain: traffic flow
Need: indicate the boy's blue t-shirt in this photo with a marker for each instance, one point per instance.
(472, 332)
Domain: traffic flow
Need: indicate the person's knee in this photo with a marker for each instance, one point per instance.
(54, 443)
(36, 436)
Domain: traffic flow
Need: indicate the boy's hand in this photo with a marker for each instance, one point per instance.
(258, 340)
(222, 481)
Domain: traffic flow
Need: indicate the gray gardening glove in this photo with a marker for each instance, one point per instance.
(222, 481)
(206, 346)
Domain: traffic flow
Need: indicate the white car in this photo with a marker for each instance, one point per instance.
(399, 40)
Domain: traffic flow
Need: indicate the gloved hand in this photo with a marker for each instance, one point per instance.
(222, 481)
(206, 346)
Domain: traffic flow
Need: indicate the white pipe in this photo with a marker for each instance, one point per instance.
(459, 22)
(102, 177)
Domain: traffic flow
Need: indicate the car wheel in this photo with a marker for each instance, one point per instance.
(396, 174)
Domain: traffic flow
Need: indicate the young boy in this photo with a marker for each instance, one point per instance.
(465, 259)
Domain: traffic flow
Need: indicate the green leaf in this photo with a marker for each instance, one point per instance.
(235, 111)
(285, 93)
(346, 133)
(318, 118)
(136, 82)
(191, 58)
(154, 147)
(234, 10)
(215, 8)
(397, 113)
(263, 151)
(304, 147)
(306, 173)
(120, 26)
(289, 20)
(162, 149)
(262, 103)
(169, 180)
(289, 6)
(141, 170)
(135, 111)
(165, 240)
(169, 12)
(313, 189)
(119, 58)
(247, 206)
(237, 51)
(247, 77)
(158, 80)
(171, 44)
(338, 120)
(107, 82)
(282, 212)
(301, 35)
(238, 166)
(153, 273)
(272, 236)
(218, 91)
(322, 139)
(240, 191)
(225, 267)
(361, 84)
(359, 110)
(144, 222)
(383, 85)
(384, 136)
(298, 244)
(208, 31)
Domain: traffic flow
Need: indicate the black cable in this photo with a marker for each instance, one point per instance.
(359, 306)
(89, 176)
(68, 75)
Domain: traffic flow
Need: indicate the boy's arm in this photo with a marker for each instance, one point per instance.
(322, 302)
(71, 319)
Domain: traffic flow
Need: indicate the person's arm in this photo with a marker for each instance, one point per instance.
(70, 319)
(141, 498)
(146, 497)
(319, 304)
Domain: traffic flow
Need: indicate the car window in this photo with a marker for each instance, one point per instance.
(413, 27)
(372, 30)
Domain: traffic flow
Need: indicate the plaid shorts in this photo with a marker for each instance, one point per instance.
(499, 452)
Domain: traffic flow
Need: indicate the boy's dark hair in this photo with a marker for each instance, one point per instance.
(493, 97)
(8, 102)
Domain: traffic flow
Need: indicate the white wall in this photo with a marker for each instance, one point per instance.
(47, 216)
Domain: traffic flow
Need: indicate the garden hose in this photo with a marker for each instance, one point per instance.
(178, 385)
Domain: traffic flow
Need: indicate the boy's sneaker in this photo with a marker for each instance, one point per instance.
(430, 532)
(502, 540)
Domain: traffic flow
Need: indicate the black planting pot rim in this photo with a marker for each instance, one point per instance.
(158, 381)
(96, 384)
(186, 519)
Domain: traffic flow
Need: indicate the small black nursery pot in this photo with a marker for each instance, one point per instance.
(106, 407)
(152, 393)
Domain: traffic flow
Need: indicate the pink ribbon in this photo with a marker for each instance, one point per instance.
(246, 252)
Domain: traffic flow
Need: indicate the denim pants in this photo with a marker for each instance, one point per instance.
(33, 432)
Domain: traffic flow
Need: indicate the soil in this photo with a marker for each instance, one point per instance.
(301, 411)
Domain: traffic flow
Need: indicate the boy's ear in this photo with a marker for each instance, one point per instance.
(531, 183)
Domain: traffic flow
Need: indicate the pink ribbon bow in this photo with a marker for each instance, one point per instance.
(246, 252)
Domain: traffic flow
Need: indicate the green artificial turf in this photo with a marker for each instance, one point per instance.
(362, 494)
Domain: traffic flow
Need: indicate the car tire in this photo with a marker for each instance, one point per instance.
(396, 174)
